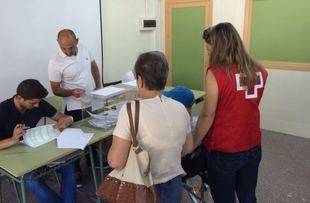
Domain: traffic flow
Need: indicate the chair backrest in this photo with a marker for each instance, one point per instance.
(55, 101)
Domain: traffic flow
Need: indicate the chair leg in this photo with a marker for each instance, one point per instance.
(57, 179)
(18, 195)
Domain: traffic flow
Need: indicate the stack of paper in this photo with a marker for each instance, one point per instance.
(73, 138)
(40, 135)
(108, 91)
(100, 123)
(106, 120)
(132, 83)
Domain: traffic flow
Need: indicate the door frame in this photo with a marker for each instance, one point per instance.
(169, 5)
(282, 65)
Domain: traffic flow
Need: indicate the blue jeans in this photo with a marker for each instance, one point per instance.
(170, 191)
(230, 173)
(46, 195)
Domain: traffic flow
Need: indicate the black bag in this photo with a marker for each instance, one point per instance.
(195, 163)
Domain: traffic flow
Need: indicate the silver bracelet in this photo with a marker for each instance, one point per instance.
(72, 120)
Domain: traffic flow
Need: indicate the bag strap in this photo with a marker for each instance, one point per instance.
(134, 128)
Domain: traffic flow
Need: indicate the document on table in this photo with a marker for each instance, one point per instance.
(40, 135)
(73, 138)
(107, 91)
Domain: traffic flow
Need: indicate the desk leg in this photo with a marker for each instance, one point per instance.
(22, 185)
(101, 161)
(92, 162)
(1, 200)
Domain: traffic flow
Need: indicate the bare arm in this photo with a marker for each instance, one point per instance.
(63, 121)
(207, 114)
(61, 92)
(7, 143)
(96, 74)
(118, 153)
(19, 131)
(188, 146)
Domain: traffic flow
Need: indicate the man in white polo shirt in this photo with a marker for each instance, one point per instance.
(73, 74)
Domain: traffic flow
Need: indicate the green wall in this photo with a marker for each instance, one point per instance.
(188, 47)
(281, 30)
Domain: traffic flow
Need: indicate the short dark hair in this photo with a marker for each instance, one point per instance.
(31, 89)
(153, 69)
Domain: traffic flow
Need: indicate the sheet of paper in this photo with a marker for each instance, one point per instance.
(132, 83)
(40, 135)
(107, 91)
(73, 138)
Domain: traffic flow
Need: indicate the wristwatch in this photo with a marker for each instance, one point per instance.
(72, 120)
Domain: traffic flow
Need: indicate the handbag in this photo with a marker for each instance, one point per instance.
(134, 182)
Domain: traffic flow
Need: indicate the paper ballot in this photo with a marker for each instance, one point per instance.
(40, 135)
(107, 91)
(73, 138)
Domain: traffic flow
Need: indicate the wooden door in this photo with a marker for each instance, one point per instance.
(185, 20)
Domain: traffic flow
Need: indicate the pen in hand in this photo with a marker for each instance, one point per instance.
(19, 130)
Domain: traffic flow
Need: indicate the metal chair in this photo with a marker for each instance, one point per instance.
(55, 101)
(195, 165)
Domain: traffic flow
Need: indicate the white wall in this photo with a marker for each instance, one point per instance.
(123, 41)
(28, 36)
(285, 105)
(229, 11)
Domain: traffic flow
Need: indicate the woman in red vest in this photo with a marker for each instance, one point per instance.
(229, 123)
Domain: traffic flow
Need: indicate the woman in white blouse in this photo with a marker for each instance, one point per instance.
(164, 128)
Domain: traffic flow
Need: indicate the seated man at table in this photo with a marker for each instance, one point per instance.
(23, 111)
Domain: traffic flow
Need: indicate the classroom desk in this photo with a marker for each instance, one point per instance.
(20, 159)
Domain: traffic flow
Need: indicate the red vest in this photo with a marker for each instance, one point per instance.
(236, 125)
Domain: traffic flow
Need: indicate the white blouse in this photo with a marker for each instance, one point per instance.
(163, 126)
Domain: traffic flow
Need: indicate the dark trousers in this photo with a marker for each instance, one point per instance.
(230, 173)
(77, 116)
(170, 191)
(47, 195)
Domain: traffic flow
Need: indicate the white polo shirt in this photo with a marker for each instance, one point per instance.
(163, 127)
(129, 76)
(73, 72)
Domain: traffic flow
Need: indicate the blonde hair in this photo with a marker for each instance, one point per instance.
(227, 49)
